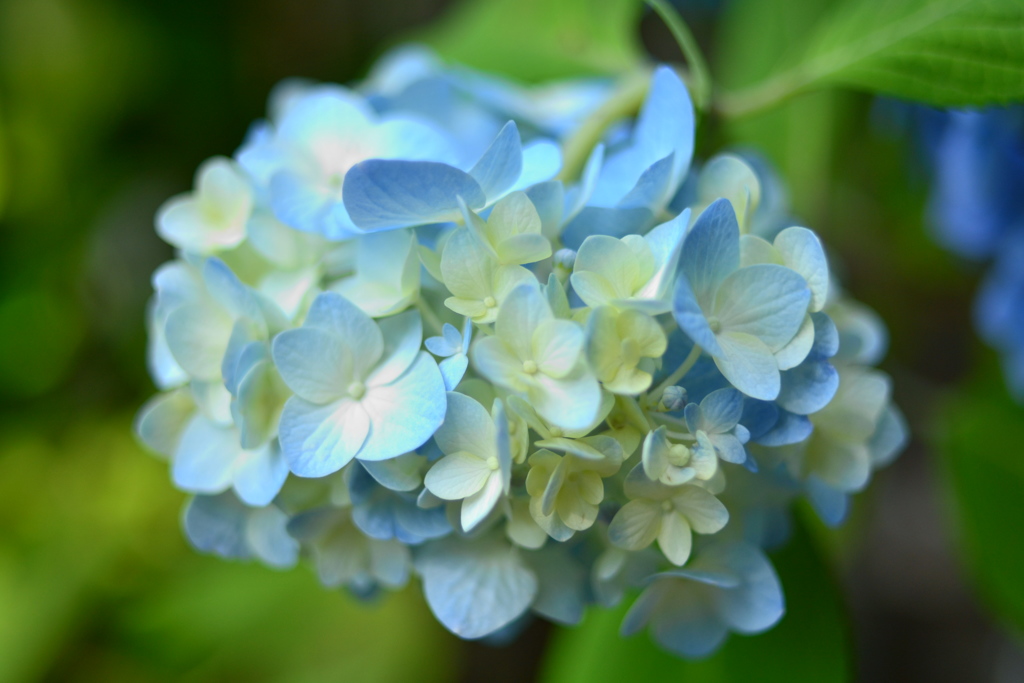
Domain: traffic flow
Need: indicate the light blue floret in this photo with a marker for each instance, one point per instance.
(729, 587)
(362, 389)
(741, 316)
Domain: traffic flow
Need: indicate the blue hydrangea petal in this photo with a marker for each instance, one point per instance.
(318, 440)
(205, 458)
(749, 365)
(711, 251)
(406, 412)
(267, 536)
(162, 420)
(690, 317)
(217, 525)
(381, 194)
(475, 587)
(614, 222)
(832, 505)
(453, 370)
(757, 604)
(890, 437)
(789, 429)
(808, 387)
(721, 410)
(447, 344)
(542, 160)
(336, 314)
(260, 474)
(764, 300)
(501, 165)
(403, 335)
(314, 363)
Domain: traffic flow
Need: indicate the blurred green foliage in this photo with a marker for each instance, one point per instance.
(979, 433)
(541, 39)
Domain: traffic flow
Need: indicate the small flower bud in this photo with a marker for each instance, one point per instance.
(565, 259)
(672, 399)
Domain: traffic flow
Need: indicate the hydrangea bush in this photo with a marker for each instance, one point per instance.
(400, 340)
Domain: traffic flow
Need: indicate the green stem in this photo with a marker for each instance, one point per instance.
(762, 96)
(625, 101)
(429, 316)
(674, 378)
(701, 76)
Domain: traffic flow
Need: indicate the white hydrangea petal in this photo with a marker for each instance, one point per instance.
(405, 413)
(654, 456)
(162, 420)
(477, 506)
(704, 512)
(571, 402)
(754, 250)
(612, 259)
(467, 427)
(525, 248)
(197, 336)
(319, 440)
(666, 243)
(635, 525)
(675, 538)
(522, 311)
(557, 347)
(457, 475)
(802, 251)
(495, 361)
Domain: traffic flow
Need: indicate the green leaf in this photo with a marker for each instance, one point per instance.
(756, 39)
(943, 52)
(541, 39)
(809, 644)
(981, 458)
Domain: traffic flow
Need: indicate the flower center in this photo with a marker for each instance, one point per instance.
(357, 390)
(557, 433)
(715, 324)
(529, 367)
(492, 462)
(666, 505)
(490, 302)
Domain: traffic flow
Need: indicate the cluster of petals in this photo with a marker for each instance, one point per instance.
(397, 343)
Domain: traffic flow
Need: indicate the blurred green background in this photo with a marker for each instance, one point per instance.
(106, 109)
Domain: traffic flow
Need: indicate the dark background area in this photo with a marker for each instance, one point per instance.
(106, 109)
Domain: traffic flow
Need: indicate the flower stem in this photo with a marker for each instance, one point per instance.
(429, 316)
(700, 74)
(679, 373)
(625, 101)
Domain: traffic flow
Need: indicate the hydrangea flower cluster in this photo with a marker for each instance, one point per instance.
(976, 210)
(397, 343)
